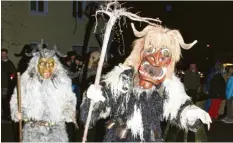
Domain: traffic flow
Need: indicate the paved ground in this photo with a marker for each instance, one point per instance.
(219, 132)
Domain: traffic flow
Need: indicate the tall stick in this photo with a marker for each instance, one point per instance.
(110, 24)
(19, 105)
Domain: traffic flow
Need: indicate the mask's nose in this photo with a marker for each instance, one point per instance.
(153, 59)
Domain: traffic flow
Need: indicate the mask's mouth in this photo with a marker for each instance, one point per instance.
(151, 73)
(47, 75)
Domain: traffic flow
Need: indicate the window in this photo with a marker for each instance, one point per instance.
(79, 8)
(39, 7)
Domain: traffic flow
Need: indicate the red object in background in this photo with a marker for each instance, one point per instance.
(12, 76)
(214, 107)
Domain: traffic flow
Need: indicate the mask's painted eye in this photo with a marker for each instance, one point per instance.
(51, 64)
(151, 50)
(42, 63)
(165, 52)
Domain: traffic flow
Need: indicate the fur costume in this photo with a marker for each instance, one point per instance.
(140, 93)
(46, 103)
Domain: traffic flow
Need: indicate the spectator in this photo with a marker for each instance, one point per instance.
(192, 82)
(212, 72)
(7, 74)
(78, 68)
(229, 97)
(216, 92)
(93, 63)
(71, 58)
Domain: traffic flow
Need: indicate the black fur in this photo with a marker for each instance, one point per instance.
(122, 109)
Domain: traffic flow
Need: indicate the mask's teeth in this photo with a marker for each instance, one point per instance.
(146, 63)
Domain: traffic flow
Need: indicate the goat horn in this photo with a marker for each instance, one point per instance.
(181, 40)
(31, 53)
(141, 33)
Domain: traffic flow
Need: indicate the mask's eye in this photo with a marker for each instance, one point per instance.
(42, 63)
(51, 64)
(151, 50)
(165, 52)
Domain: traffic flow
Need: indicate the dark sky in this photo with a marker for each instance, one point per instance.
(208, 22)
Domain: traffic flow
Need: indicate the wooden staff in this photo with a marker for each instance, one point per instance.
(19, 105)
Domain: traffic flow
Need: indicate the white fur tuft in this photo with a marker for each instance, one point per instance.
(176, 97)
(135, 123)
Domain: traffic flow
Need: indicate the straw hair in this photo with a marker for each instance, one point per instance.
(157, 37)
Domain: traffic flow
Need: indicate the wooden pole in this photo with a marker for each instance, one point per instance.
(110, 24)
(19, 105)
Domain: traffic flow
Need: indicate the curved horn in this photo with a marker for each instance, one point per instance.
(31, 53)
(141, 33)
(181, 40)
(58, 52)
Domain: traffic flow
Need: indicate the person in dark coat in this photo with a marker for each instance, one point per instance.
(216, 92)
(8, 73)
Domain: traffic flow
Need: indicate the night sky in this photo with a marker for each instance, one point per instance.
(211, 23)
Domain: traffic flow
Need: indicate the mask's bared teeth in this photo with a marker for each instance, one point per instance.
(141, 72)
(145, 63)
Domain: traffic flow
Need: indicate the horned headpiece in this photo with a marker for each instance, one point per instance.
(44, 52)
(156, 36)
(176, 33)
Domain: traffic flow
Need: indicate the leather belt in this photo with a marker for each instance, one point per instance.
(40, 123)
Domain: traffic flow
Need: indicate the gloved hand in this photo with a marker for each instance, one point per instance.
(193, 113)
(95, 94)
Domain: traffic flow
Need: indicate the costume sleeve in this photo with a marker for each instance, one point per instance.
(70, 106)
(176, 101)
(114, 85)
(100, 109)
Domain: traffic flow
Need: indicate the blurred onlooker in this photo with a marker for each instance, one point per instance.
(23, 62)
(216, 91)
(192, 82)
(211, 74)
(226, 75)
(93, 63)
(71, 58)
(8, 73)
(78, 68)
(229, 96)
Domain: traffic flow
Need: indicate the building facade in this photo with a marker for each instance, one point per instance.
(27, 22)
